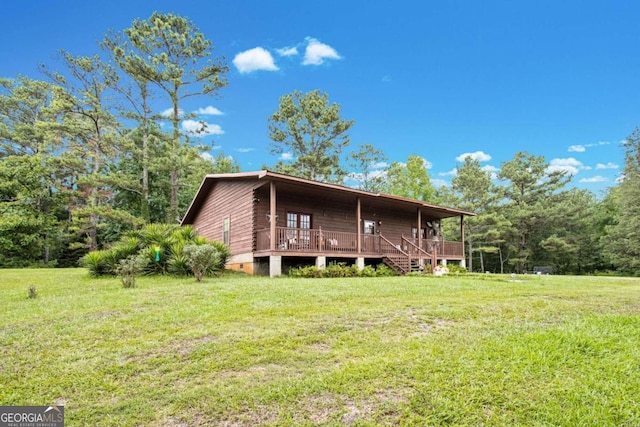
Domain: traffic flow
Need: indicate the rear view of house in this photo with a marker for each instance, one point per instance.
(272, 221)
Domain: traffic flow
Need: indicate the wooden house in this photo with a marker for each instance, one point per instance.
(272, 221)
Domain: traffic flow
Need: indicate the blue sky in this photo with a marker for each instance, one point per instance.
(435, 78)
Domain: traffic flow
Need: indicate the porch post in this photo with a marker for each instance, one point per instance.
(463, 263)
(359, 226)
(419, 228)
(272, 215)
(275, 266)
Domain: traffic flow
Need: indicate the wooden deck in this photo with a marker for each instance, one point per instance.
(317, 242)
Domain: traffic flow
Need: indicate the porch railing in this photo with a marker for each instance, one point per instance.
(327, 241)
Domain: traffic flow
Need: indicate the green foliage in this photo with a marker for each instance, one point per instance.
(383, 270)
(620, 244)
(341, 269)
(129, 268)
(168, 52)
(95, 262)
(456, 269)
(201, 259)
(33, 292)
(178, 265)
(410, 179)
(170, 239)
(365, 171)
(223, 252)
(311, 129)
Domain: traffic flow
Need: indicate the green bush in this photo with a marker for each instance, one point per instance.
(341, 269)
(170, 239)
(33, 292)
(129, 268)
(95, 262)
(383, 270)
(179, 265)
(201, 259)
(456, 269)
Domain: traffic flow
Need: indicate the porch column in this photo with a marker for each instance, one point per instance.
(321, 262)
(463, 263)
(275, 266)
(272, 215)
(359, 226)
(360, 263)
(420, 230)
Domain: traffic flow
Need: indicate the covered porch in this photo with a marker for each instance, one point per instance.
(404, 254)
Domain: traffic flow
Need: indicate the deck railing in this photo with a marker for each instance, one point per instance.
(327, 241)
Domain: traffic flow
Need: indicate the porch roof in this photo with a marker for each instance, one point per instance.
(435, 211)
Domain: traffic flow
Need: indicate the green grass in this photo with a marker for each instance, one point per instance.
(476, 350)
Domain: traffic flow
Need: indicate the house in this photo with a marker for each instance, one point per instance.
(272, 222)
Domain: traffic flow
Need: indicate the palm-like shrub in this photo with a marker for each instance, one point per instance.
(169, 240)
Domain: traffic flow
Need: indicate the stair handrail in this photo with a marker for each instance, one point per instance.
(399, 250)
(420, 250)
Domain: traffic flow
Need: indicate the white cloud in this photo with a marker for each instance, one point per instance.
(168, 113)
(245, 150)
(287, 51)
(452, 172)
(199, 128)
(254, 59)
(607, 166)
(286, 156)
(492, 170)
(481, 156)
(386, 79)
(571, 166)
(209, 111)
(207, 156)
(596, 178)
(437, 183)
(581, 148)
(316, 52)
(379, 165)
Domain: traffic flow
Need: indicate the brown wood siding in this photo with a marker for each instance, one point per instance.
(392, 224)
(336, 214)
(326, 212)
(233, 199)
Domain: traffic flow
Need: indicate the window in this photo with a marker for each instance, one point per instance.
(225, 231)
(298, 220)
(299, 225)
(369, 227)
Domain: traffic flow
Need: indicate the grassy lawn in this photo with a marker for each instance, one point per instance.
(476, 350)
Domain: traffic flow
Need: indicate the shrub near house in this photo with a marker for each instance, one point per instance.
(163, 245)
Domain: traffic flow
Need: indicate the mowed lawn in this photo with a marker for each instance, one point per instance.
(468, 350)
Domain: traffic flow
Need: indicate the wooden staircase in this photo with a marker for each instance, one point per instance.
(404, 261)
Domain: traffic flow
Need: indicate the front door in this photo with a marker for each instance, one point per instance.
(299, 230)
(369, 236)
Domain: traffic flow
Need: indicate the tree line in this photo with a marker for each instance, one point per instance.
(84, 156)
